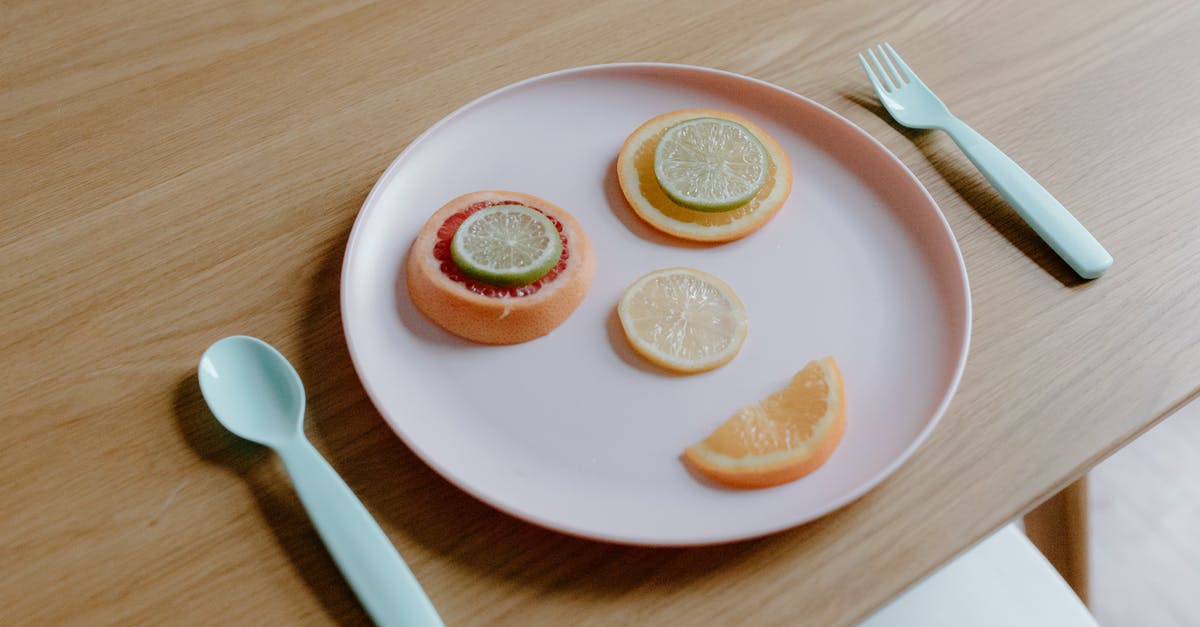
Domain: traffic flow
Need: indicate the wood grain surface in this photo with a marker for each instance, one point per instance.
(176, 172)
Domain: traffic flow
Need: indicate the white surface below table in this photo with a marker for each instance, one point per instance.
(1001, 582)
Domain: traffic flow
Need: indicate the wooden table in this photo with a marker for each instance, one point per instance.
(176, 172)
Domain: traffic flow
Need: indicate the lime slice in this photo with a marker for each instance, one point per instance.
(506, 245)
(710, 164)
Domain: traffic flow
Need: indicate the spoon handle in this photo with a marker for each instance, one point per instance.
(384, 584)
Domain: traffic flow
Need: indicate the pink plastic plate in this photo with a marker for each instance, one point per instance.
(573, 431)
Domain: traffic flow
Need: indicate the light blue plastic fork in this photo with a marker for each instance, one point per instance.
(914, 105)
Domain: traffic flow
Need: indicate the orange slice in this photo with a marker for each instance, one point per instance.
(780, 438)
(635, 171)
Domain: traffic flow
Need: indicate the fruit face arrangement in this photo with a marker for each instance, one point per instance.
(505, 267)
(500, 267)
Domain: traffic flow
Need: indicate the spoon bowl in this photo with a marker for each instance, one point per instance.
(252, 390)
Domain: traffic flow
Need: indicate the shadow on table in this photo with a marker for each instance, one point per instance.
(973, 188)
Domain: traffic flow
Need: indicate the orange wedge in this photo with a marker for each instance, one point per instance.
(780, 438)
(635, 172)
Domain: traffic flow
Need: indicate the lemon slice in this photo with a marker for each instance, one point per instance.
(710, 164)
(683, 319)
(506, 245)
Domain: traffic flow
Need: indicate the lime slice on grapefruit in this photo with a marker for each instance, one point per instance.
(710, 164)
(506, 245)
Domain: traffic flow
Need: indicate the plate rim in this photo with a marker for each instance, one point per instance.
(836, 504)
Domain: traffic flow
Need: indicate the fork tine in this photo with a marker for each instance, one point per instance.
(896, 73)
(912, 76)
(883, 72)
(871, 75)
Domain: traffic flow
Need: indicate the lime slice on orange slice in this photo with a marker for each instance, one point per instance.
(710, 164)
(647, 199)
(506, 245)
(683, 319)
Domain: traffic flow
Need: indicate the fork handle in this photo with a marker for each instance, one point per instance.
(1041, 211)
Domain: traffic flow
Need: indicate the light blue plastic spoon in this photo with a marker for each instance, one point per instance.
(255, 393)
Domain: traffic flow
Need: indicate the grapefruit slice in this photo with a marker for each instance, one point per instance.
(781, 438)
(495, 312)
